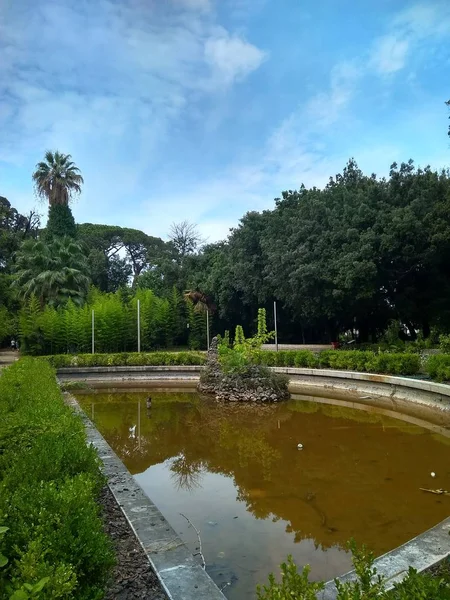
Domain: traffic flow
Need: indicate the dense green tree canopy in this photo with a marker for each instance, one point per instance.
(350, 257)
(54, 272)
(353, 255)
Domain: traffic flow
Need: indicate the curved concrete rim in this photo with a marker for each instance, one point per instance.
(422, 402)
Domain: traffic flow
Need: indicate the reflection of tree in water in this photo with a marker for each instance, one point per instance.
(187, 475)
(322, 493)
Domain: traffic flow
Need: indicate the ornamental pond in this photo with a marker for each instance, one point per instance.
(235, 471)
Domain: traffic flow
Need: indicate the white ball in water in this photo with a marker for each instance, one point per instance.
(433, 474)
(300, 446)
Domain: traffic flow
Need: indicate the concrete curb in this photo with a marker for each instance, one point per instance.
(181, 576)
(426, 400)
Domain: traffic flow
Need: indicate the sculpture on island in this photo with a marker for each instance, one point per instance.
(232, 373)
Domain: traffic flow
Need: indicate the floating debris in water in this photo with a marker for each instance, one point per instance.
(433, 474)
(300, 446)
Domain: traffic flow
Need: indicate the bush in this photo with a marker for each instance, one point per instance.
(438, 367)
(158, 359)
(351, 360)
(49, 483)
(444, 343)
(367, 585)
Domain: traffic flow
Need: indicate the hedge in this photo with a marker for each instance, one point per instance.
(51, 532)
(438, 367)
(350, 360)
(127, 359)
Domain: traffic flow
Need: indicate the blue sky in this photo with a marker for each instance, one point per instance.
(205, 109)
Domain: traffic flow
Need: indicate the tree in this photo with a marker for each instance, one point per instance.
(185, 238)
(57, 179)
(14, 228)
(60, 222)
(448, 104)
(53, 272)
(142, 251)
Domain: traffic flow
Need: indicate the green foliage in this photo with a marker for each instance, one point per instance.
(349, 360)
(7, 324)
(68, 328)
(293, 585)
(438, 367)
(54, 272)
(444, 343)
(60, 222)
(365, 585)
(50, 480)
(239, 337)
(157, 359)
(57, 179)
(422, 586)
(3, 558)
(350, 257)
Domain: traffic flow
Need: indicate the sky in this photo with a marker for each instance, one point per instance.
(202, 110)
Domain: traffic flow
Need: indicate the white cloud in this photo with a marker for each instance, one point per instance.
(202, 5)
(389, 54)
(231, 57)
(125, 75)
(407, 30)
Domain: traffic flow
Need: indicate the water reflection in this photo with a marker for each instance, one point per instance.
(236, 472)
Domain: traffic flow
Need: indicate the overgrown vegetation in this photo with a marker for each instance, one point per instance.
(363, 259)
(235, 375)
(351, 360)
(126, 359)
(367, 584)
(68, 328)
(52, 543)
(438, 367)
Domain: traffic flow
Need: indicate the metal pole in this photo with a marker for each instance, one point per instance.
(276, 327)
(93, 333)
(207, 329)
(139, 424)
(139, 324)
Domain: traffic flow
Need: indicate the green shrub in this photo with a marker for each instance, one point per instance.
(438, 367)
(351, 360)
(367, 584)
(50, 480)
(60, 361)
(396, 364)
(444, 343)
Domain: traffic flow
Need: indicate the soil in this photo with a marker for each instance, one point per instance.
(133, 577)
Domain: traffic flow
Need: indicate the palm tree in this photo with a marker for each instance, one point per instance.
(202, 303)
(53, 272)
(57, 178)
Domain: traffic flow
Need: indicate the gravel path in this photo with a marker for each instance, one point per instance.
(133, 577)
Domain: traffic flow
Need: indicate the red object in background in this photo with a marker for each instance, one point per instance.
(335, 345)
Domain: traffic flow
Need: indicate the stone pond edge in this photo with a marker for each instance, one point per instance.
(421, 552)
(179, 573)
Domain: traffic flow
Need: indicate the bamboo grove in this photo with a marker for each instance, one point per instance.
(164, 323)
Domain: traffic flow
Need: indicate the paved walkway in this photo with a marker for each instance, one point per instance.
(7, 357)
(312, 347)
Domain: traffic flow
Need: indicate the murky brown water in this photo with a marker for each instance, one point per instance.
(236, 472)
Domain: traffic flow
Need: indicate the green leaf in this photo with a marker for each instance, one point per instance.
(40, 585)
(19, 595)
